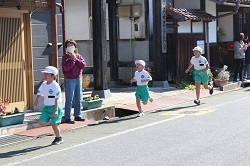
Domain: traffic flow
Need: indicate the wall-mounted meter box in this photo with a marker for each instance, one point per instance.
(138, 29)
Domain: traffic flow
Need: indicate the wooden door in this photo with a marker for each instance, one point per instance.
(185, 45)
(12, 60)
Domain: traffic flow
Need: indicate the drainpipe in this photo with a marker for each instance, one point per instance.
(61, 6)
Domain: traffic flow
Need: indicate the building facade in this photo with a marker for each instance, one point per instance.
(161, 32)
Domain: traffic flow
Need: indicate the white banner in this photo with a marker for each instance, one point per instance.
(163, 26)
(201, 43)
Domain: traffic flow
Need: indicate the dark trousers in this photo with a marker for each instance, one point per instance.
(239, 63)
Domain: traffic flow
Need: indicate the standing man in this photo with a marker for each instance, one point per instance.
(72, 66)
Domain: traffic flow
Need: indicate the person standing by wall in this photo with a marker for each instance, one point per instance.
(239, 55)
(246, 73)
(72, 67)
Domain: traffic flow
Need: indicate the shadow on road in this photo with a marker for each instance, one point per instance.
(21, 152)
(115, 121)
(174, 109)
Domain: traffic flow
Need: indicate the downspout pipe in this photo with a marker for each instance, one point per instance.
(61, 7)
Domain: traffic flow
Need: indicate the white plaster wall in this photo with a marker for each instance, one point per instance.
(125, 31)
(197, 27)
(78, 23)
(126, 25)
(211, 9)
(76, 20)
(129, 2)
(226, 23)
(184, 27)
(189, 4)
(212, 32)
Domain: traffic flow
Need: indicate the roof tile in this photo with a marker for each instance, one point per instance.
(182, 14)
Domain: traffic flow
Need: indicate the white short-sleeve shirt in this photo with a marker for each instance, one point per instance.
(142, 75)
(50, 92)
(199, 63)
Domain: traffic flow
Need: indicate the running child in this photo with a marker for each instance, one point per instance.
(201, 66)
(141, 77)
(52, 110)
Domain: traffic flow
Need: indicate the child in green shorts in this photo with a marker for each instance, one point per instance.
(201, 66)
(52, 110)
(142, 77)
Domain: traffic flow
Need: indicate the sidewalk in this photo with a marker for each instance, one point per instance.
(122, 98)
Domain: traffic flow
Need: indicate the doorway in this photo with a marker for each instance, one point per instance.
(12, 60)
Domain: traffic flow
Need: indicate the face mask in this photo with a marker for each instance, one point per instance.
(70, 48)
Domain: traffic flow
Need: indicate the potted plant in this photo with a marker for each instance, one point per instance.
(223, 77)
(91, 102)
(9, 117)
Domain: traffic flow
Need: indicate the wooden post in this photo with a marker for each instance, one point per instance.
(159, 57)
(207, 40)
(113, 47)
(54, 48)
(99, 44)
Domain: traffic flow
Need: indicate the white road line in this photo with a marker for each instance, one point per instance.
(99, 139)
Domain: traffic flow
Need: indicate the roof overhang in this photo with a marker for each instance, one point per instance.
(242, 3)
(182, 14)
(41, 5)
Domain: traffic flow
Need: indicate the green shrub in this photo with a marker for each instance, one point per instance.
(185, 85)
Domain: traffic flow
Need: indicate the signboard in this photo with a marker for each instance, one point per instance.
(201, 43)
(163, 26)
(230, 45)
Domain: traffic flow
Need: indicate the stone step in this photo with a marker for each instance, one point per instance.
(231, 86)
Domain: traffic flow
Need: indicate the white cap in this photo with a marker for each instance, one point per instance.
(51, 70)
(141, 62)
(198, 49)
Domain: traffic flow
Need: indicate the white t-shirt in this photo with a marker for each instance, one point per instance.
(199, 63)
(142, 75)
(50, 92)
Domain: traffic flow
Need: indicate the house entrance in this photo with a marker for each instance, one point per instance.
(12, 60)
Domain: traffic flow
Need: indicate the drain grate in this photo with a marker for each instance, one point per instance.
(12, 139)
(32, 117)
(192, 112)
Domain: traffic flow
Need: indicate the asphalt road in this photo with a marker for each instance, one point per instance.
(188, 137)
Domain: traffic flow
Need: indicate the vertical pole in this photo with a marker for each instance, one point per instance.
(159, 57)
(151, 29)
(113, 45)
(99, 44)
(63, 26)
(54, 51)
(207, 40)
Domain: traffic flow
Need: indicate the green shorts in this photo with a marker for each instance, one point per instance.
(142, 92)
(198, 78)
(47, 114)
